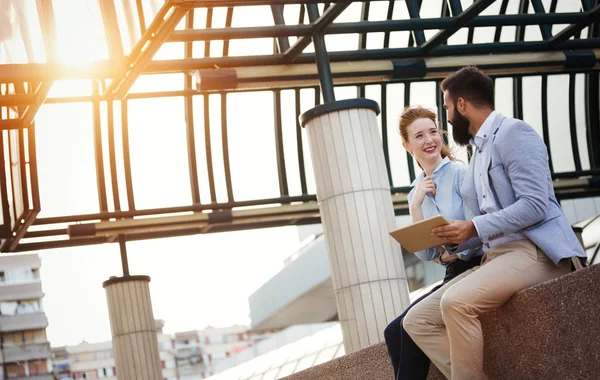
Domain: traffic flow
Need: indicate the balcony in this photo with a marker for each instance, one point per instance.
(27, 351)
(47, 376)
(22, 322)
(21, 291)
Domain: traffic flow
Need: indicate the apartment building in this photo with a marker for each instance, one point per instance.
(97, 361)
(24, 350)
(198, 351)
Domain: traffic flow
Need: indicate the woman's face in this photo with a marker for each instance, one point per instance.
(424, 140)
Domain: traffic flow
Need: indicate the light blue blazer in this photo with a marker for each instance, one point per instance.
(521, 182)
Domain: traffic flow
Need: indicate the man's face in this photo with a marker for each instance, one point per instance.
(460, 124)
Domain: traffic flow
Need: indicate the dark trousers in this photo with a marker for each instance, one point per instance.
(409, 362)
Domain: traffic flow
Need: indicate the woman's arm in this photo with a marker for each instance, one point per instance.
(415, 201)
(415, 212)
(424, 187)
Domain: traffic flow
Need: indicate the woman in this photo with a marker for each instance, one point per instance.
(435, 192)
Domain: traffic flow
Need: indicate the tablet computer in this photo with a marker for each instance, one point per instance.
(417, 236)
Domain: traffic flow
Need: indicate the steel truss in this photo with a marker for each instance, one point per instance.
(25, 88)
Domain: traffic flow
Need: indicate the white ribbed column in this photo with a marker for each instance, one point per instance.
(133, 332)
(357, 213)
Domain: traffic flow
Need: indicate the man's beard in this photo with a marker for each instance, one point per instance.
(460, 129)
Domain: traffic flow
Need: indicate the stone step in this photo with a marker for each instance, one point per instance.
(550, 331)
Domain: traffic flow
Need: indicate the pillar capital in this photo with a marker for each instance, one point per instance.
(339, 105)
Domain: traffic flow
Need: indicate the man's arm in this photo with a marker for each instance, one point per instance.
(525, 159)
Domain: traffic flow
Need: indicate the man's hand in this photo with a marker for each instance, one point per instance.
(456, 232)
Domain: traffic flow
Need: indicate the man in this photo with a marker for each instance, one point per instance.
(525, 234)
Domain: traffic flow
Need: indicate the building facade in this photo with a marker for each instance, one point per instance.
(199, 352)
(97, 361)
(189, 355)
(25, 350)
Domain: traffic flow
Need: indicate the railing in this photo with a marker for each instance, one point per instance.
(26, 351)
(22, 322)
(21, 290)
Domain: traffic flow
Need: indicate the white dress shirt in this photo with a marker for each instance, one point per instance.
(482, 151)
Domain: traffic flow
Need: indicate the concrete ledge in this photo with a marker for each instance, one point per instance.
(550, 331)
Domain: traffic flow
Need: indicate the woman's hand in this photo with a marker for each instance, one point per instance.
(426, 185)
(447, 258)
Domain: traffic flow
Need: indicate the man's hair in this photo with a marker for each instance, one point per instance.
(471, 84)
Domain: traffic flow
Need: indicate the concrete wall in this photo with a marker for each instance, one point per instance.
(550, 331)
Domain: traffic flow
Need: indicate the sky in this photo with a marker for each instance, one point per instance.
(203, 280)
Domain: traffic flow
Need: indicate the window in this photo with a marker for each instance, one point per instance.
(15, 369)
(35, 273)
(102, 355)
(38, 367)
(2, 276)
(28, 307)
(35, 335)
(8, 308)
(14, 337)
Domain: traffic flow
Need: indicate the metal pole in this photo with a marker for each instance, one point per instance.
(325, 77)
(124, 262)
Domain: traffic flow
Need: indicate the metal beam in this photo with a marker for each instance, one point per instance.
(299, 143)
(413, 12)
(567, 189)
(573, 124)
(592, 101)
(111, 27)
(562, 37)
(317, 28)
(235, 3)
(24, 221)
(189, 119)
(170, 66)
(8, 124)
(545, 123)
(14, 100)
(126, 155)
(545, 29)
(460, 21)
(282, 42)
(40, 95)
(132, 213)
(323, 68)
(33, 169)
(141, 18)
(455, 7)
(48, 27)
(372, 26)
(98, 151)
(112, 155)
(35, 72)
(162, 26)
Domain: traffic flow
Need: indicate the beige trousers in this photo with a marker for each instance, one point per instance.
(445, 324)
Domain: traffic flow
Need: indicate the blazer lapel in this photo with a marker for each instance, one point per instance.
(468, 188)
